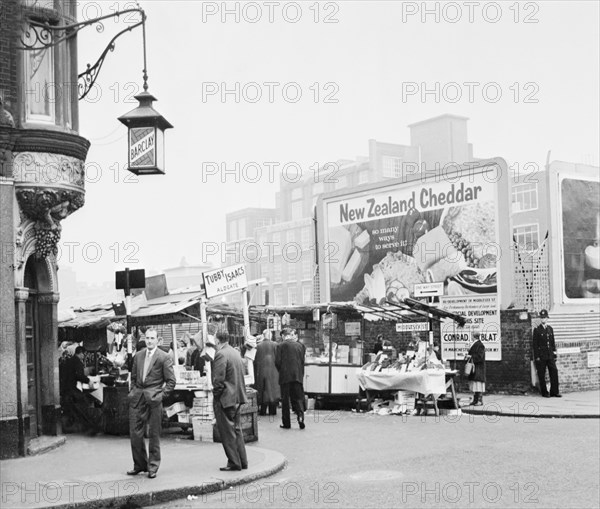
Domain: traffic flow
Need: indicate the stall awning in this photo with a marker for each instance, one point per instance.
(95, 319)
(167, 305)
(400, 311)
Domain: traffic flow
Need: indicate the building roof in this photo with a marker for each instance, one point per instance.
(439, 117)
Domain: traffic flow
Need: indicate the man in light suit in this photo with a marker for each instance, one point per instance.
(152, 379)
(229, 391)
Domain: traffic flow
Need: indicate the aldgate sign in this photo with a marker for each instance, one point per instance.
(225, 280)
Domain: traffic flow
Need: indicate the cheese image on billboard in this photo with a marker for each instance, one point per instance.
(142, 143)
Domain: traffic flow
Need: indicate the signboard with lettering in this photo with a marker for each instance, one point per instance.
(142, 147)
(483, 321)
(351, 328)
(225, 280)
(412, 327)
(429, 289)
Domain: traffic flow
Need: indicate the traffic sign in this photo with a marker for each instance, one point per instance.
(429, 289)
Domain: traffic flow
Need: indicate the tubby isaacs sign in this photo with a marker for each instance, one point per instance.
(225, 280)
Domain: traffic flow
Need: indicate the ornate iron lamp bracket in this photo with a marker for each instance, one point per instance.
(42, 35)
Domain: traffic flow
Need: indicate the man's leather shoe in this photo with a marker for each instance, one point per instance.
(151, 475)
(284, 427)
(556, 395)
(229, 469)
(545, 395)
(245, 468)
(135, 471)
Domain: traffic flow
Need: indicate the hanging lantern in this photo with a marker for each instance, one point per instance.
(146, 137)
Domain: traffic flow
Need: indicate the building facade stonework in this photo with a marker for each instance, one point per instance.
(42, 178)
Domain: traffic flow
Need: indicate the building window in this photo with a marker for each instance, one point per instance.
(297, 209)
(278, 296)
(307, 267)
(40, 85)
(524, 197)
(341, 182)
(297, 194)
(363, 177)
(305, 237)
(264, 270)
(292, 295)
(277, 272)
(242, 228)
(306, 295)
(527, 236)
(276, 246)
(233, 231)
(392, 166)
(318, 188)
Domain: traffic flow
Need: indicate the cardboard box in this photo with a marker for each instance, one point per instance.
(175, 408)
(183, 417)
(202, 430)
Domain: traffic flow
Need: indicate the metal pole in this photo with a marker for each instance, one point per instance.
(128, 314)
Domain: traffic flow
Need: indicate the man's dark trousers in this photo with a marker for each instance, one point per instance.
(138, 417)
(229, 423)
(294, 392)
(552, 371)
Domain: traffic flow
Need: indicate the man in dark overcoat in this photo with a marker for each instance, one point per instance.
(152, 380)
(266, 375)
(289, 361)
(544, 353)
(229, 392)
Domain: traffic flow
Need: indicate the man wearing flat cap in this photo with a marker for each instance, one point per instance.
(544, 353)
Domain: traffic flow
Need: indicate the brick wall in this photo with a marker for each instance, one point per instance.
(573, 372)
(9, 22)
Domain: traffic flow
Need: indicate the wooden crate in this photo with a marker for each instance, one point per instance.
(249, 419)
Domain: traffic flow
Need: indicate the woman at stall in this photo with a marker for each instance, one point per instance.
(477, 375)
(266, 375)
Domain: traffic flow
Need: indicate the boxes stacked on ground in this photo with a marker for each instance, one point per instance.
(202, 415)
(406, 399)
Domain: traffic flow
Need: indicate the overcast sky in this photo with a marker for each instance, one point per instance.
(368, 62)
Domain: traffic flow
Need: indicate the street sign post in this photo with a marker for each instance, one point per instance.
(429, 289)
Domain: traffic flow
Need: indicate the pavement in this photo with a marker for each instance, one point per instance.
(572, 405)
(90, 472)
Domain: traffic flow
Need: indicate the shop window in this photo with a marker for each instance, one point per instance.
(527, 236)
(524, 197)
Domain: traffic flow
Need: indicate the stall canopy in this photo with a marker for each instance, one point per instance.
(404, 310)
(178, 308)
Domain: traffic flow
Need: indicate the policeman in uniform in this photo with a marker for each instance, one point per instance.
(544, 353)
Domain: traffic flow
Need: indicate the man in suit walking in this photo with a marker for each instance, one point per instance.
(152, 379)
(289, 360)
(229, 391)
(544, 353)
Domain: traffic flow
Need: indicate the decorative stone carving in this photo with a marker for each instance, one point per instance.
(48, 298)
(48, 170)
(47, 208)
(21, 294)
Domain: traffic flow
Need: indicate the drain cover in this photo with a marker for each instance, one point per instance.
(376, 475)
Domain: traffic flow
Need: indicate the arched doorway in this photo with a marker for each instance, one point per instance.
(32, 349)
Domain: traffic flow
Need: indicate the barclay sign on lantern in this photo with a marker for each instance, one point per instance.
(146, 137)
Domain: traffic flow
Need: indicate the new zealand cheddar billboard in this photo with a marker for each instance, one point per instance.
(379, 241)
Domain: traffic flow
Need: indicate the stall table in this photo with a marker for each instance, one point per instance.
(429, 384)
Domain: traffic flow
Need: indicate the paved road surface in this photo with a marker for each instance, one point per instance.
(344, 459)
